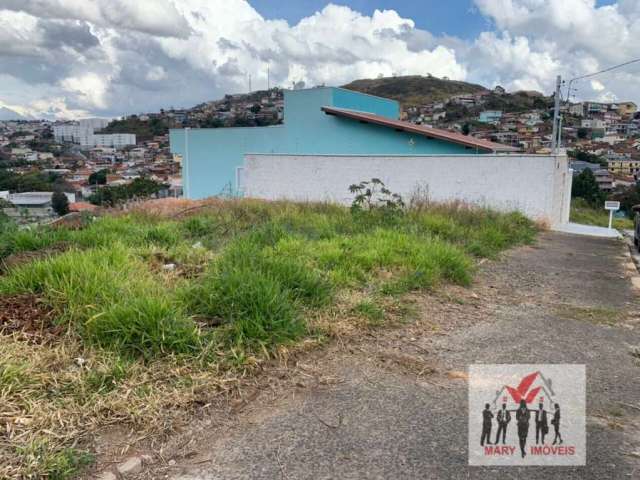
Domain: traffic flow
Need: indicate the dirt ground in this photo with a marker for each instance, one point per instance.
(393, 403)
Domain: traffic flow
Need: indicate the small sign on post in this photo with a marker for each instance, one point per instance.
(612, 207)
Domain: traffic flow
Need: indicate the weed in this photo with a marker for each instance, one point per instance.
(371, 311)
(42, 460)
(104, 379)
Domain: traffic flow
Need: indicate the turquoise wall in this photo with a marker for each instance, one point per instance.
(215, 153)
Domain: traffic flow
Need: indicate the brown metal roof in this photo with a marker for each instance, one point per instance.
(437, 133)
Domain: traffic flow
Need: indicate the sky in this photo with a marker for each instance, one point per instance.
(79, 58)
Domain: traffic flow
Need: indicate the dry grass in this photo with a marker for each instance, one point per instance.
(337, 275)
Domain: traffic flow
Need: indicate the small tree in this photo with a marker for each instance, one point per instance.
(466, 129)
(374, 195)
(98, 178)
(585, 186)
(583, 132)
(60, 203)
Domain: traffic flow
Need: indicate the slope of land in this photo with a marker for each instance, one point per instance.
(394, 404)
(414, 89)
(141, 319)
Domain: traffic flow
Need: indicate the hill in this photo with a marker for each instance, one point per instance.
(414, 89)
(144, 130)
(8, 114)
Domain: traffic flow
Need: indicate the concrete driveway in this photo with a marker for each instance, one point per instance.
(393, 405)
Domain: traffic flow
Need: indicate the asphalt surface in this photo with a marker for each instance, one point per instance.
(393, 406)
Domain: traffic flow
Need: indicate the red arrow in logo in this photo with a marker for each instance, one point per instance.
(522, 392)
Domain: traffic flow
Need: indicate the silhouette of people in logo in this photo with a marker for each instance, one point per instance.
(486, 425)
(555, 421)
(542, 427)
(503, 417)
(522, 419)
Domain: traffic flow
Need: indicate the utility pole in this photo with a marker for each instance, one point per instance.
(249, 83)
(556, 115)
(185, 164)
(268, 79)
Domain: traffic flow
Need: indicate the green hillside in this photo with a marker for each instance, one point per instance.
(414, 89)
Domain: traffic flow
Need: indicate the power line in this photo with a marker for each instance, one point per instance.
(606, 70)
(588, 75)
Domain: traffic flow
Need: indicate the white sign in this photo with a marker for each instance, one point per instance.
(612, 206)
(527, 415)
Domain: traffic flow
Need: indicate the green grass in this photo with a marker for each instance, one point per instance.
(583, 213)
(245, 278)
(255, 267)
(371, 311)
(56, 464)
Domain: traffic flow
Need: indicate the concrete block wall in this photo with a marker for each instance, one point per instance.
(536, 185)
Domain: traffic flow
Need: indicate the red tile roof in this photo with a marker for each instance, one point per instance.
(81, 207)
(437, 133)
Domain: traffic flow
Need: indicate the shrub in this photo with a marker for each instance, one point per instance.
(372, 195)
(60, 203)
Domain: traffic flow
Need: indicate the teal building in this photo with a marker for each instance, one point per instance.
(318, 121)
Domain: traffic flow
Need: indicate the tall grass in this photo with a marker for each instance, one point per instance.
(158, 306)
(109, 297)
(271, 261)
(582, 212)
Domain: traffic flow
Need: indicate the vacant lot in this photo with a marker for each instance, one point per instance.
(137, 319)
(582, 212)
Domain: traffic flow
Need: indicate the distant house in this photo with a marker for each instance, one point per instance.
(604, 180)
(465, 100)
(490, 116)
(576, 109)
(627, 109)
(32, 206)
(593, 123)
(624, 166)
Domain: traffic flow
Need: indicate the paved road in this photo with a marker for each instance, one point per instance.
(393, 407)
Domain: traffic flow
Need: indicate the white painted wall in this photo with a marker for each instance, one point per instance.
(538, 186)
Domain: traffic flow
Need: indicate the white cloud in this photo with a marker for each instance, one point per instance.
(156, 74)
(110, 57)
(578, 35)
(155, 17)
(89, 88)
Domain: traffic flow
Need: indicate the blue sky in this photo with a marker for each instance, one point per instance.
(458, 18)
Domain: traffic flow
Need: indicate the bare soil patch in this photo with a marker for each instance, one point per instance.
(29, 317)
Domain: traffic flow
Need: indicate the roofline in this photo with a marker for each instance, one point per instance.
(402, 155)
(435, 133)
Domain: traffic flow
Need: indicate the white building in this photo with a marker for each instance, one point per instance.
(114, 140)
(593, 123)
(83, 133)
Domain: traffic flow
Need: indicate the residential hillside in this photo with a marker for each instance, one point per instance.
(414, 89)
(417, 91)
